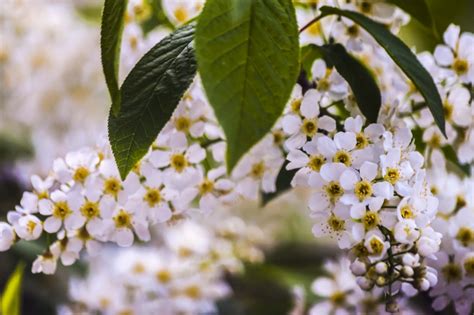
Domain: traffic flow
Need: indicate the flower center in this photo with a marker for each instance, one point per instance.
(452, 272)
(460, 66)
(258, 169)
(343, 157)
(465, 236)
(152, 197)
(278, 137)
(392, 176)
(353, 31)
(376, 246)
(435, 140)
(122, 219)
(163, 276)
(362, 141)
(83, 235)
(206, 186)
(406, 212)
(460, 202)
(448, 110)
(316, 162)
(193, 292)
(180, 14)
(80, 174)
(309, 127)
(315, 29)
(334, 191)
(370, 220)
(366, 7)
(295, 105)
(61, 210)
(30, 226)
(336, 224)
(182, 124)
(179, 162)
(363, 190)
(338, 298)
(90, 210)
(469, 266)
(112, 186)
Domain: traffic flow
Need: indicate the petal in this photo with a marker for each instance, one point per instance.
(345, 140)
(332, 171)
(52, 225)
(124, 237)
(451, 35)
(368, 171)
(348, 179)
(291, 124)
(310, 106)
(327, 123)
(74, 221)
(443, 55)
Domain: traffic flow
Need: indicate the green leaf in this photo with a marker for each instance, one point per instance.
(403, 57)
(283, 184)
(150, 94)
(309, 54)
(11, 296)
(360, 79)
(418, 9)
(247, 52)
(453, 161)
(110, 40)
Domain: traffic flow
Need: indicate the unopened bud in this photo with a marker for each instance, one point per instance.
(381, 281)
(381, 268)
(407, 271)
(364, 283)
(358, 268)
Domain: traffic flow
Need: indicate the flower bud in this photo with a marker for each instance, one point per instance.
(364, 283)
(381, 281)
(423, 284)
(407, 271)
(358, 268)
(381, 268)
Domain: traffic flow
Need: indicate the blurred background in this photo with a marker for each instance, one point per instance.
(53, 99)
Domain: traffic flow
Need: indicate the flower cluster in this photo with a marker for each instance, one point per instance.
(181, 272)
(340, 293)
(455, 220)
(83, 202)
(370, 193)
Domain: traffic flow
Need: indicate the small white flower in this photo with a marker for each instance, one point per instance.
(7, 236)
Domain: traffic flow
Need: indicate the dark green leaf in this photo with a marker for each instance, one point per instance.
(150, 94)
(11, 295)
(418, 9)
(309, 54)
(283, 183)
(403, 57)
(13, 147)
(360, 79)
(247, 53)
(110, 40)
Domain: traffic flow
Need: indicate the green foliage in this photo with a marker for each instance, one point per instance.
(10, 302)
(308, 55)
(150, 94)
(454, 163)
(13, 147)
(360, 79)
(418, 9)
(110, 40)
(247, 53)
(259, 291)
(403, 57)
